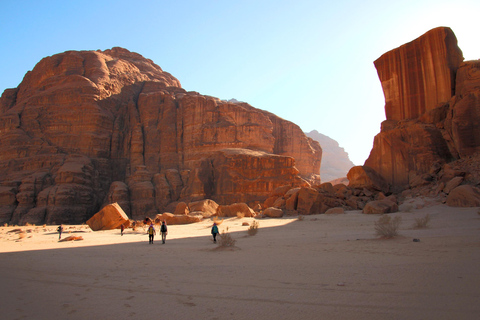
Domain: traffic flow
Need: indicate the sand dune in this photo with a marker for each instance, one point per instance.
(323, 267)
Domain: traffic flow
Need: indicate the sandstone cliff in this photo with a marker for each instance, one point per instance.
(335, 161)
(89, 128)
(432, 103)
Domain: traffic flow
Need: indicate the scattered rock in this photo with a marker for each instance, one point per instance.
(234, 209)
(380, 207)
(110, 217)
(337, 210)
(464, 196)
(72, 238)
(273, 212)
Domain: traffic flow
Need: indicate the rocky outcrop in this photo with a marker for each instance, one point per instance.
(235, 210)
(88, 128)
(380, 207)
(110, 217)
(431, 106)
(335, 161)
(419, 75)
(464, 196)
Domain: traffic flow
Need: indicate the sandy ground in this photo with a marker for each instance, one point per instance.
(321, 267)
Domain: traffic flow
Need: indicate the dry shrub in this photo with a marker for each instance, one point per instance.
(22, 235)
(300, 218)
(253, 229)
(225, 239)
(240, 215)
(387, 227)
(422, 223)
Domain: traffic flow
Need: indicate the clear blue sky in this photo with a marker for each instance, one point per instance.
(307, 61)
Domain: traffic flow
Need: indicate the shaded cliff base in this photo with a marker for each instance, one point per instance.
(330, 264)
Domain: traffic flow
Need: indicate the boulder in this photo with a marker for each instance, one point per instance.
(337, 210)
(291, 201)
(452, 184)
(464, 196)
(273, 212)
(207, 207)
(181, 209)
(307, 198)
(368, 178)
(234, 209)
(380, 207)
(110, 217)
(172, 219)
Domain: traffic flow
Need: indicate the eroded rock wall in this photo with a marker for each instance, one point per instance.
(89, 128)
(432, 108)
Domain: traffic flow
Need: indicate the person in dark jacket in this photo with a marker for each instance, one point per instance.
(60, 230)
(214, 232)
(164, 231)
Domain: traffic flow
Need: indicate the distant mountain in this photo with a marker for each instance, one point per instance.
(335, 161)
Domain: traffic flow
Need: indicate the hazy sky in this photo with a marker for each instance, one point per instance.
(310, 62)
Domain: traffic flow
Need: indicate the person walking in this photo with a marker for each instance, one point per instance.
(164, 231)
(122, 227)
(60, 230)
(214, 232)
(151, 233)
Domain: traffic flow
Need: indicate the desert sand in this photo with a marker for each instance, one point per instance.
(321, 267)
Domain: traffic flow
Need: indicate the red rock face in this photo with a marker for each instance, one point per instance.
(419, 75)
(432, 104)
(89, 128)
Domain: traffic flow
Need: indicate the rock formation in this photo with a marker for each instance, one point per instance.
(432, 103)
(110, 217)
(88, 128)
(335, 161)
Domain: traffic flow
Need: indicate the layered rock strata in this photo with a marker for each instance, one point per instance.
(89, 128)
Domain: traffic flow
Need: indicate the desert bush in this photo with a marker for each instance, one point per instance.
(300, 218)
(422, 223)
(253, 228)
(225, 239)
(387, 227)
(22, 235)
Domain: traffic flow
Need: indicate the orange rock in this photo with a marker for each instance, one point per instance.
(112, 126)
(172, 219)
(273, 212)
(380, 207)
(464, 196)
(110, 217)
(207, 207)
(234, 209)
(419, 75)
(366, 177)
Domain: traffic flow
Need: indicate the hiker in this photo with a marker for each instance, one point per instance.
(163, 230)
(122, 227)
(151, 232)
(60, 230)
(214, 232)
